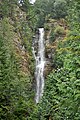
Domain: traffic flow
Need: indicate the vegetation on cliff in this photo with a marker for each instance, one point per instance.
(18, 22)
(62, 87)
(16, 62)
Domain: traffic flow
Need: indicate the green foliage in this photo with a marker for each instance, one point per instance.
(60, 9)
(47, 26)
(62, 89)
(15, 86)
(59, 31)
(16, 93)
(52, 36)
(55, 9)
(73, 16)
(56, 32)
(7, 7)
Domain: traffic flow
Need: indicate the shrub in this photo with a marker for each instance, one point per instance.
(59, 31)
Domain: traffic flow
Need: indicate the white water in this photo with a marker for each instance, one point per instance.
(40, 62)
(32, 1)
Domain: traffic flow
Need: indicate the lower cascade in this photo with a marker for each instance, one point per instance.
(39, 55)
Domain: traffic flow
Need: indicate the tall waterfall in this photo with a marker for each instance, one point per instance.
(40, 62)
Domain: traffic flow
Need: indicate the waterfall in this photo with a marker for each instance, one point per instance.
(40, 62)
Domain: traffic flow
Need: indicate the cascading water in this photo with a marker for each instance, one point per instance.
(40, 62)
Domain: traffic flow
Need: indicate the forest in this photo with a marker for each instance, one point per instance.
(19, 24)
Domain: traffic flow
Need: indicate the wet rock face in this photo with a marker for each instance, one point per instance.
(49, 51)
(35, 42)
(48, 68)
(55, 30)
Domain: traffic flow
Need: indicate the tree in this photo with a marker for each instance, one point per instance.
(60, 9)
